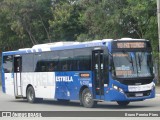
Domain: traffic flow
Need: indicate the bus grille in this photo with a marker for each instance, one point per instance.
(135, 81)
(138, 94)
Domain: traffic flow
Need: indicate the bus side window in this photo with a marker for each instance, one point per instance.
(82, 59)
(51, 66)
(37, 67)
(27, 63)
(65, 67)
(8, 64)
(43, 69)
(64, 60)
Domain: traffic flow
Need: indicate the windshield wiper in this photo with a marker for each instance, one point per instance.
(132, 62)
(149, 64)
(139, 61)
(129, 59)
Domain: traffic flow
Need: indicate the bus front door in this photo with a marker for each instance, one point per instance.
(17, 76)
(97, 68)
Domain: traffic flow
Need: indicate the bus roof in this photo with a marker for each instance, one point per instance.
(65, 45)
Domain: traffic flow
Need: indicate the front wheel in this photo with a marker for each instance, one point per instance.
(123, 103)
(87, 99)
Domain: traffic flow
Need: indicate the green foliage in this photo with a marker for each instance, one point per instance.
(23, 23)
(65, 24)
(144, 24)
(27, 22)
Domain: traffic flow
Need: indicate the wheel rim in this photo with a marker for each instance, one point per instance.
(88, 98)
(30, 95)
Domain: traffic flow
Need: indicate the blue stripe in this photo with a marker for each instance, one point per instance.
(2, 77)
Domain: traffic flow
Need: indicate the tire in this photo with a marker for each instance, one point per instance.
(31, 95)
(123, 103)
(87, 99)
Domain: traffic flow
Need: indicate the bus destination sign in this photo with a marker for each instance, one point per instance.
(131, 45)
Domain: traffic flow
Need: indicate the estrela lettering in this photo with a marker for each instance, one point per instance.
(64, 79)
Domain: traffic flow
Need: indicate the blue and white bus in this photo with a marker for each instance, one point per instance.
(119, 70)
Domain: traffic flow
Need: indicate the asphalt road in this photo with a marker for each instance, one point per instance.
(9, 103)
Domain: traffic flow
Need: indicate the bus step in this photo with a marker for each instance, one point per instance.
(19, 96)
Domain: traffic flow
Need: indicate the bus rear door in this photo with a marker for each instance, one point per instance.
(17, 76)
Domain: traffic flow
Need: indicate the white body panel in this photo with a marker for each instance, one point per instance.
(9, 83)
(42, 82)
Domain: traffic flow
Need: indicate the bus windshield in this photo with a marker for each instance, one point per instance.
(132, 64)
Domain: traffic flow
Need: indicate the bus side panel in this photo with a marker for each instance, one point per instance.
(68, 84)
(9, 84)
(42, 82)
(65, 84)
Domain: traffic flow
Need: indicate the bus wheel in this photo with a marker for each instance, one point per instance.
(87, 99)
(123, 103)
(31, 95)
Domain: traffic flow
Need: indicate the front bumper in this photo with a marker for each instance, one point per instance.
(115, 95)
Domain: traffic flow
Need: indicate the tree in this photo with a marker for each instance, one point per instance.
(104, 19)
(65, 24)
(24, 23)
(119, 18)
(142, 20)
(28, 21)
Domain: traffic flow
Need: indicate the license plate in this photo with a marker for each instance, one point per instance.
(139, 94)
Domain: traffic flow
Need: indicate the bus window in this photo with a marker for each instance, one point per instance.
(46, 62)
(8, 64)
(82, 59)
(27, 63)
(65, 57)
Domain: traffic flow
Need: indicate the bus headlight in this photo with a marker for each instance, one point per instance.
(153, 86)
(121, 90)
(115, 87)
(118, 88)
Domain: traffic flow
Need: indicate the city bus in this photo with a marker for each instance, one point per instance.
(118, 70)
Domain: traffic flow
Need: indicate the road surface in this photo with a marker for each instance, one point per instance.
(8, 103)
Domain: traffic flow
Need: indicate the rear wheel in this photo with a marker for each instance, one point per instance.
(87, 99)
(31, 95)
(123, 103)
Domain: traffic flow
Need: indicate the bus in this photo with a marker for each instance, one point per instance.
(119, 70)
